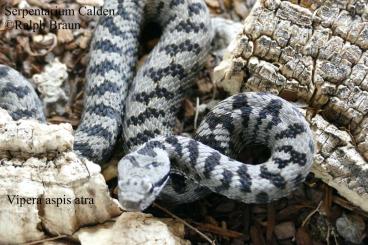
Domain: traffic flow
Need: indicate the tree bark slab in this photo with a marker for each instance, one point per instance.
(315, 52)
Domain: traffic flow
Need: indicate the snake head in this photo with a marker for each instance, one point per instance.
(142, 175)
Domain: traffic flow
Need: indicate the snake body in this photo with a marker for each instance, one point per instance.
(141, 106)
(240, 120)
(151, 97)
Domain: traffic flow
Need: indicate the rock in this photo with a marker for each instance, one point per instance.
(45, 188)
(241, 7)
(134, 228)
(25, 138)
(50, 84)
(223, 79)
(65, 36)
(39, 45)
(285, 230)
(224, 32)
(213, 3)
(351, 228)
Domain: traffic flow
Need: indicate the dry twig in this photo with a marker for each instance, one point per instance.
(184, 222)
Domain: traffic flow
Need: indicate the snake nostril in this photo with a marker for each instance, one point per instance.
(146, 186)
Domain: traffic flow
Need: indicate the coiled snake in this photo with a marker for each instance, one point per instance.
(141, 106)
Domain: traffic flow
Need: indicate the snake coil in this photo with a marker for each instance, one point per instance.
(141, 106)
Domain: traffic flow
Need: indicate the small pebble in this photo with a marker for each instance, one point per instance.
(285, 230)
(351, 228)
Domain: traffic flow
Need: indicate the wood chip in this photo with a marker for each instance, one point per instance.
(189, 109)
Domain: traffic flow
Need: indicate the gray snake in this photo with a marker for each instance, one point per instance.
(141, 106)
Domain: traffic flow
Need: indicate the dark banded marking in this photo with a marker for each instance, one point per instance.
(292, 131)
(97, 130)
(195, 8)
(102, 88)
(174, 3)
(159, 92)
(174, 142)
(4, 70)
(275, 178)
(19, 91)
(227, 177)
(193, 152)
(188, 26)
(174, 70)
(210, 163)
(24, 114)
(185, 46)
(103, 68)
(104, 111)
(142, 137)
(143, 116)
(295, 156)
(107, 46)
(244, 179)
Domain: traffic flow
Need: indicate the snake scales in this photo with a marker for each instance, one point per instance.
(141, 106)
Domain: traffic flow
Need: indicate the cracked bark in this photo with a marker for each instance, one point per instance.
(39, 173)
(315, 52)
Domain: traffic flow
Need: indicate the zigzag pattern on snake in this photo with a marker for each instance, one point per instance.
(141, 106)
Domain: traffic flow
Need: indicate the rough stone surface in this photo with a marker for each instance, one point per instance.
(351, 228)
(134, 228)
(25, 138)
(315, 52)
(50, 84)
(47, 193)
(285, 230)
